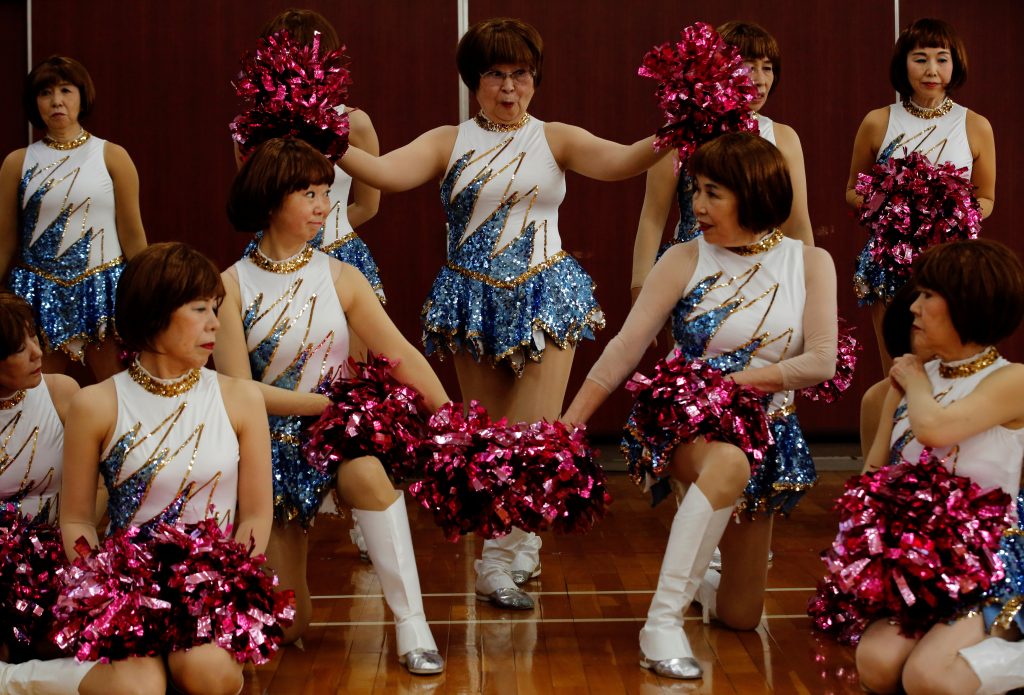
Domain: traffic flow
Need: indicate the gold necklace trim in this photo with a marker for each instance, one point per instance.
(82, 138)
(958, 371)
(927, 114)
(288, 265)
(13, 401)
(487, 124)
(159, 387)
(765, 243)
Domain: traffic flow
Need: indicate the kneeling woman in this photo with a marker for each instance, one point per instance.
(758, 305)
(286, 318)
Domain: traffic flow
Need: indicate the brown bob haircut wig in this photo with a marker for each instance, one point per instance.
(276, 168)
(753, 42)
(496, 41)
(301, 25)
(154, 284)
(16, 323)
(927, 33)
(754, 170)
(982, 282)
(53, 71)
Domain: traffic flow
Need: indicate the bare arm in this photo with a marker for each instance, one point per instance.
(231, 357)
(365, 199)
(423, 159)
(983, 172)
(865, 150)
(62, 389)
(369, 320)
(255, 491)
(126, 199)
(878, 456)
(10, 177)
(798, 226)
(658, 196)
(576, 149)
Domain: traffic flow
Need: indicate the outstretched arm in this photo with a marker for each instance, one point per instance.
(365, 199)
(658, 196)
(423, 159)
(576, 149)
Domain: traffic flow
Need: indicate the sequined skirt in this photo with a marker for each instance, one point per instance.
(1002, 606)
(870, 280)
(775, 487)
(299, 488)
(69, 317)
(509, 324)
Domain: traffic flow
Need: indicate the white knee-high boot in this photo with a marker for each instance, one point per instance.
(696, 530)
(998, 664)
(37, 677)
(390, 544)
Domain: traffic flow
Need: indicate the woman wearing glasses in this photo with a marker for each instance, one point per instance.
(510, 304)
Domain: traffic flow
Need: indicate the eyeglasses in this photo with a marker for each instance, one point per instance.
(497, 77)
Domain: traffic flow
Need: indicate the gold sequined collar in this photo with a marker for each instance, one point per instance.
(13, 401)
(168, 388)
(973, 365)
(70, 144)
(487, 124)
(288, 265)
(765, 243)
(927, 114)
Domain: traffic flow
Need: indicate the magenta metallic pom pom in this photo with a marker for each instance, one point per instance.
(687, 399)
(371, 414)
(704, 89)
(293, 91)
(911, 205)
(487, 477)
(916, 544)
(32, 565)
(847, 350)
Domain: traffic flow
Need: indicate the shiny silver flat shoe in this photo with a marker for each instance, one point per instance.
(509, 598)
(422, 662)
(520, 577)
(684, 668)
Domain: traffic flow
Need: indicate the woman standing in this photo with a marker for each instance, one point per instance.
(285, 324)
(929, 63)
(761, 307)
(69, 217)
(511, 304)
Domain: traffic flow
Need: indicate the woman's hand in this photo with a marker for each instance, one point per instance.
(908, 371)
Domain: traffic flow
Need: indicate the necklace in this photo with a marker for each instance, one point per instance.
(288, 265)
(168, 388)
(68, 145)
(487, 124)
(14, 400)
(921, 112)
(765, 243)
(973, 365)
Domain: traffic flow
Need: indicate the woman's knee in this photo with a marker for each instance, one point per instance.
(364, 484)
(139, 676)
(879, 667)
(741, 615)
(206, 670)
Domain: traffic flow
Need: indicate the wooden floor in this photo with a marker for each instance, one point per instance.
(582, 637)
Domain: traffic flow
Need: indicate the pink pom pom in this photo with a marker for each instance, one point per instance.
(846, 363)
(32, 565)
(371, 414)
(911, 205)
(916, 544)
(293, 91)
(704, 89)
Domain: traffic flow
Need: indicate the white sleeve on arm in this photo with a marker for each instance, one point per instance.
(661, 292)
(817, 362)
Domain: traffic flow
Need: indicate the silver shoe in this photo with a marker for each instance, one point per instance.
(520, 577)
(683, 668)
(422, 662)
(509, 598)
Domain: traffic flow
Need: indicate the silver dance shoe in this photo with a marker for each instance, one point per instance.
(422, 662)
(509, 598)
(683, 668)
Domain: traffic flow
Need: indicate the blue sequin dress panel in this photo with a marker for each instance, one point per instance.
(70, 257)
(942, 139)
(31, 452)
(1004, 603)
(508, 284)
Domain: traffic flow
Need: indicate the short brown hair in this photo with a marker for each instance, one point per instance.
(982, 282)
(495, 41)
(52, 71)
(754, 170)
(276, 168)
(753, 42)
(154, 284)
(927, 33)
(301, 25)
(16, 323)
